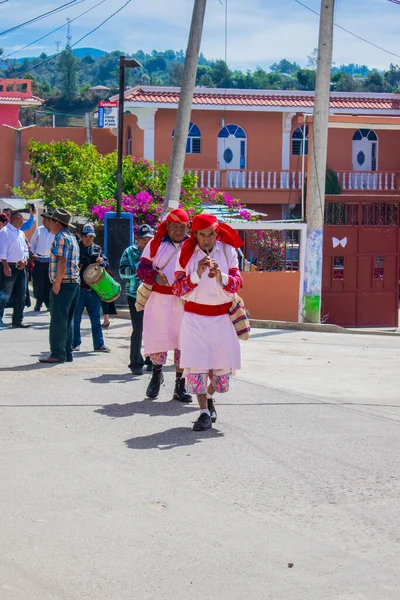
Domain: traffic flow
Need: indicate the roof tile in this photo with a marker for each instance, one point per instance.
(383, 102)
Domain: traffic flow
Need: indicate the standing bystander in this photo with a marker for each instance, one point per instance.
(64, 294)
(41, 243)
(128, 267)
(14, 258)
(89, 254)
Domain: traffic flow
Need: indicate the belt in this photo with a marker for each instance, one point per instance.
(207, 310)
(162, 289)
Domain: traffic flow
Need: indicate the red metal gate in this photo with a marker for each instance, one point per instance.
(361, 262)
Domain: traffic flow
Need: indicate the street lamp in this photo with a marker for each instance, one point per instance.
(124, 63)
(118, 227)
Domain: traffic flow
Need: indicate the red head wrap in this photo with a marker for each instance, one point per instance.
(175, 216)
(225, 234)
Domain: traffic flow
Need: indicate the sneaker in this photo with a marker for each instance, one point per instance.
(3, 325)
(76, 348)
(102, 349)
(203, 422)
(211, 408)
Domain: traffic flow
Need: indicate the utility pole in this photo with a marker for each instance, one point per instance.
(69, 36)
(316, 183)
(177, 161)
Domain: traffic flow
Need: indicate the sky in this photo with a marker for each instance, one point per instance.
(260, 32)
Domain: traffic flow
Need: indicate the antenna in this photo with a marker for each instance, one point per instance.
(69, 37)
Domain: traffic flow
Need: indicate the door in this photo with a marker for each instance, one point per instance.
(365, 157)
(232, 154)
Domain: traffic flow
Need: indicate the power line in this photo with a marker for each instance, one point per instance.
(42, 16)
(351, 32)
(4, 1)
(55, 30)
(83, 37)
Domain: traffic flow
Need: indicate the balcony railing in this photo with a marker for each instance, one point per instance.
(250, 180)
(369, 181)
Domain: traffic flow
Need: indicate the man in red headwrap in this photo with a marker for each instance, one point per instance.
(207, 278)
(163, 312)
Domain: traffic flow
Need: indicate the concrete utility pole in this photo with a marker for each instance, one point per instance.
(316, 183)
(177, 161)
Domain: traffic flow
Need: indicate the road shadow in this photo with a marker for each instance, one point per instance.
(177, 437)
(115, 378)
(32, 367)
(269, 333)
(153, 408)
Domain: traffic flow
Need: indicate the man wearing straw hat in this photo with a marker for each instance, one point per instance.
(207, 277)
(163, 312)
(64, 294)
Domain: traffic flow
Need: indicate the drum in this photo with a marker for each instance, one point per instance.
(102, 283)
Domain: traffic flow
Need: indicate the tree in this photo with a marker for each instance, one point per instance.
(67, 66)
(312, 59)
(393, 75)
(176, 74)
(221, 74)
(375, 83)
(306, 78)
(343, 82)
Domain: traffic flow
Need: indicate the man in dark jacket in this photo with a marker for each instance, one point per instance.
(128, 272)
(90, 254)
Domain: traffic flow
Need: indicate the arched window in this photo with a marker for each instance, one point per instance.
(365, 133)
(129, 141)
(235, 130)
(298, 141)
(193, 143)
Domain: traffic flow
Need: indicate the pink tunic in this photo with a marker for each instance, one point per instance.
(209, 342)
(162, 314)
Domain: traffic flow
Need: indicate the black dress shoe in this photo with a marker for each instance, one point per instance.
(20, 326)
(203, 422)
(180, 392)
(211, 408)
(153, 389)
(69, 358)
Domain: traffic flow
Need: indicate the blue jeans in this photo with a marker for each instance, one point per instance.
(16, 284)
(88, 299)
(62, 309)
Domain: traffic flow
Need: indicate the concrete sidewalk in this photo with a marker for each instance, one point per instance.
(107, 495)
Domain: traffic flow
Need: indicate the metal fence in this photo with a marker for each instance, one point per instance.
(270, 250)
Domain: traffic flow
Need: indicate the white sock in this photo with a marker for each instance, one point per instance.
(206, 411)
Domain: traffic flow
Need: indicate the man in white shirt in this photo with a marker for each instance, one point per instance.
(41, 243)
(13, 259)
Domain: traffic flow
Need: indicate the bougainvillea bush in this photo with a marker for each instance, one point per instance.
(147, 183)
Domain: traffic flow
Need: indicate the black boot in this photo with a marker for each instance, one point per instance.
(211, 408)
(156, 380)
(180, 392)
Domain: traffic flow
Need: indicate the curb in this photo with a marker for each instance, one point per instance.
(324, 328)
(123, 313)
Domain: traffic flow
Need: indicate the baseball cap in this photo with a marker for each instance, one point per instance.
(88, 230)
(145, 231)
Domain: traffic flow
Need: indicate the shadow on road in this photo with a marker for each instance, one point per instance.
(32, 367)
(146, 407)
(172, 438)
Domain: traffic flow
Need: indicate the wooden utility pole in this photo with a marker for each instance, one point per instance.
(177, 161)
(311, 308)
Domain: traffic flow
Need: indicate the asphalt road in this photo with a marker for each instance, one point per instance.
(105, 495)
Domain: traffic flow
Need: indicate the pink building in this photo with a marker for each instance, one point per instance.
(15, 93)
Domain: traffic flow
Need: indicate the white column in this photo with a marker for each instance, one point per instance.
(286, 140)
(146, 121)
